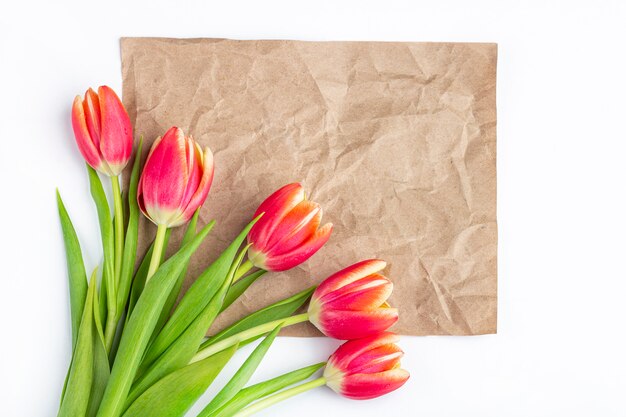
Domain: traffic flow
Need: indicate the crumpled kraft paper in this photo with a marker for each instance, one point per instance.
(397, 142)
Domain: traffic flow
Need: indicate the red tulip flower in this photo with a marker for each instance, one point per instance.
(175, 180)
(102, 130)
(366, 368)
(359, 369)
(351, 303)
(288, 233)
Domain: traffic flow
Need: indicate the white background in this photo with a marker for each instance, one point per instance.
(561, 195)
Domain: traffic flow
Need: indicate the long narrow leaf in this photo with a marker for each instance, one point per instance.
(173, 395)
(171, 300)
(196, 298)
(130, 244)
(101, 369)
(279, 310)
(243, 375)
(102, 297)
(142, 272)
(240, 287)
(77, 276)
(262, 389)
(184, 348)
(140, 326)
(106, 231)
(76, 398)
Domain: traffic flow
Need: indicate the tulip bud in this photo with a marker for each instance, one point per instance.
(351, 303)
(102, 130)
(287, 234)
(366, 368)
(175, 180)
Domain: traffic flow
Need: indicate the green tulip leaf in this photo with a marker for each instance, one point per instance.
(279, 310)
(240, 287)
(173, 395)
(140, 326)
(196, 298)
(130, 244)
(102, 297)
(184, 348)
(106, 231)
(75, 269)
(101, 369)
(78, 389)
(243, 375)
(171, 300)
(142, 272)
(262, 389)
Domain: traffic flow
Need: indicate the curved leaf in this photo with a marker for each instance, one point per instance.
(140, 326)
(140, 276)
(243, 375)
(262, 389)
(184, 348)
(130, 244)
(76, 398)
(196, 298)
(171, 300)
(75, 269)
(101, 369)
(173, 395)
(279, 310)
(240, 287)
(106, 231)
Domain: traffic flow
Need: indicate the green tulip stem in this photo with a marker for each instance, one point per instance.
(118, 210)
(280, 396)
(119, 226)
(243, 270)
(259, 330)
(159, 242)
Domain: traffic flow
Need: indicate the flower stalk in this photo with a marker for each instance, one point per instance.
(119, 225)
(248, 334)
(157, 252)
(281, 396)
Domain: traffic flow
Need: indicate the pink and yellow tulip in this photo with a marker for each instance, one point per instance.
(366, 368)
(175, 180)
(351, 303)
(102, 130)
(288, 233)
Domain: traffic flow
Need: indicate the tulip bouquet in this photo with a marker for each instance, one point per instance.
(136, 352)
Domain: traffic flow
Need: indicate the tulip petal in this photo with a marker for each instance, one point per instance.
(348, 325)
(349, 275)
(116, 136)
(154, 146)
(194, 170)
(203, 188)
(295, 228)
(367, 386)
(349, 351)
(164, 177)
(378, 359)
(91, 105)
(83, 138)
(301, 253)
(275, 207)
(364, 294)
(140, 200)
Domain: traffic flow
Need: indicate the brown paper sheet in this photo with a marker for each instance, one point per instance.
(397, 142)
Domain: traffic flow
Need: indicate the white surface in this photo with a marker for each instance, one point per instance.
(561, 206)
